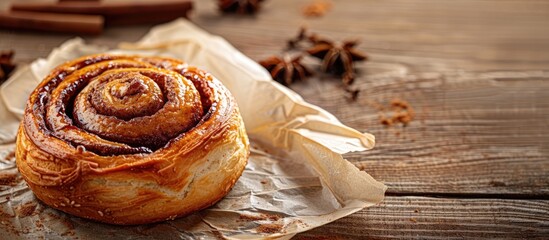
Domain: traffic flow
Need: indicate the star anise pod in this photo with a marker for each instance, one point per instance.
(302, 40)
(286, 70)
(300, 37)
(337, 58)
(6, 65)
(240, 6)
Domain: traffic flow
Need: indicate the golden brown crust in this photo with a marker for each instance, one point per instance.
(131, 140)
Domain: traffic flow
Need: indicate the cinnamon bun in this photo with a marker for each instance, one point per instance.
(131, 139)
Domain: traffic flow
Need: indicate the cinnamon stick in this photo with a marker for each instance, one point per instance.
(116, 13)
(78, 0)
(53, 22)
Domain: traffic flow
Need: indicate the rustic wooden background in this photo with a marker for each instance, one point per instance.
(475, 161)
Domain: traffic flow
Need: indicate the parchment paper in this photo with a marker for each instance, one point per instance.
(296, 178)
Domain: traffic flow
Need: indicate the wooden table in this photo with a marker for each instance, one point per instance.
(475, 161)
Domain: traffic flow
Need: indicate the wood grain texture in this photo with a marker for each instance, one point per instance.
(476, 73)
(441, 218)
(475, 132)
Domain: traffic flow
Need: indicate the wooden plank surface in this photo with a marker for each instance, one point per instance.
(476, 132)
(436, 218)
(476, 73)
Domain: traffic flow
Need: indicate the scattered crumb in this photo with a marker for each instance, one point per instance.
(65, 221)
(264, 181)
(260, 217)
(10, 156)
(251, 218)
(7, 223)
(317, 8)
(270, 228)
(39, 224)
(402, 113)
(4, 215)
(416, 210)
(413, 220)
(386, 121)
(7, 178)
(399, 103)
(26, 209)
(299, 223)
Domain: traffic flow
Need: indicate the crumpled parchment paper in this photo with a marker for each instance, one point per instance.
(296, 178)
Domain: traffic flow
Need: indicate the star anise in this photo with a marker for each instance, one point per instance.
(300, 37)
(240, 6)
(6, 65)
(338, 58)
(286, 70)
(302, 40)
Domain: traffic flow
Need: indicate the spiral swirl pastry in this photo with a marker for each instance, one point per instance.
(130, 139)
